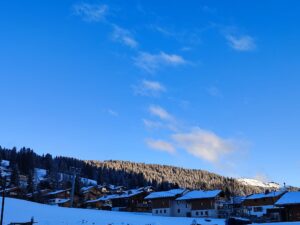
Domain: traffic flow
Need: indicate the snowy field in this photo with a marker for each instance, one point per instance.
(21, 211)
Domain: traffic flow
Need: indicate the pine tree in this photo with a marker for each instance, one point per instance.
(30, 182)
(15, 176)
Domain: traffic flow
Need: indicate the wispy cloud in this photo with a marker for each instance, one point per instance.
(91, 12)
(152, 124)
(124, 36)
(214, 91)
(149, 88)
(161, 145)
(112, 112)
(160, 112)
(204, 144)
(152, 62)
(241, 43)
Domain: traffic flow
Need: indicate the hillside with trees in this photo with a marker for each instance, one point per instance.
(24, 161)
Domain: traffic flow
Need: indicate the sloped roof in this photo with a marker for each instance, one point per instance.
(57, 192)
(271, 194)
(199, 194)
(166, 194)
(289, 198)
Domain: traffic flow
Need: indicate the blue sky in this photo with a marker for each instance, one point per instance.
(212, 85)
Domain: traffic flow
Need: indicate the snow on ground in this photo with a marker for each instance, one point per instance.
(21, 211)
(39, 174)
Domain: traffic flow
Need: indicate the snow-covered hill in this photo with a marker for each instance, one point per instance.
(21, 211)
(258, 183)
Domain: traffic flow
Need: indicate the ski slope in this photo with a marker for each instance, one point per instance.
(20, 211)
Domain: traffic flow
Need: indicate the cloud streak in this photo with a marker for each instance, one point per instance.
(124, 37)
(149, 88)
(152, 62)
(160, 112)
(241, 43)
(91, 12)
(161, 145)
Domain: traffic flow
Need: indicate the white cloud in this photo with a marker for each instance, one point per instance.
(151, 124)
(160, 112)
(161, 146)
(112, 112)
(241, 43)
(149, 88)
(204, 144)
(151, 62)
(91, 12)
(124, 36)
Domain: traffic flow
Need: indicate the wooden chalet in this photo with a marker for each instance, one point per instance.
(59, 197)
(91, 193)
(37, 194)
(256, 205)
(12, 192)
(198, 203)
(163, 202)
(132, 200)
(290, 202)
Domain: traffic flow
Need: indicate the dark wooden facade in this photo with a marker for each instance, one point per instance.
(136, 203)
(261, 201)
(292, 212)
(203, 204)
(91, 193)
(161, 203)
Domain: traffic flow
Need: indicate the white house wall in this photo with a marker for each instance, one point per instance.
(180, 208)
(162, 212)
(212, 213)
(251, 210)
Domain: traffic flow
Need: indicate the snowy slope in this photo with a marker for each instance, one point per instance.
(21, 211)
(257, 183)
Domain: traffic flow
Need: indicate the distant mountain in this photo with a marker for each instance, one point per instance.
(258, 183)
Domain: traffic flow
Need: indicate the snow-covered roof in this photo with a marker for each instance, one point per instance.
(9, 189)
(271, 194)
(86, 189)
(237, 199)
(166, 194)
(199, 194)
(60, 200)
(289, 198)
(57, 192)
(88, 181)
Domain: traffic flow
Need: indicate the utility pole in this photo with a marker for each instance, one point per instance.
(3, 198)
(75, 172)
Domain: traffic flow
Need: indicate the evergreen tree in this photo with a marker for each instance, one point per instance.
(15, 176)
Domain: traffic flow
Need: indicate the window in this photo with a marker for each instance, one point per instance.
(178, 210)
(201, 213)
(186, 205)
(197, 213)
(156, 211)
(165, 211)
(160, 211)
(206, 213)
